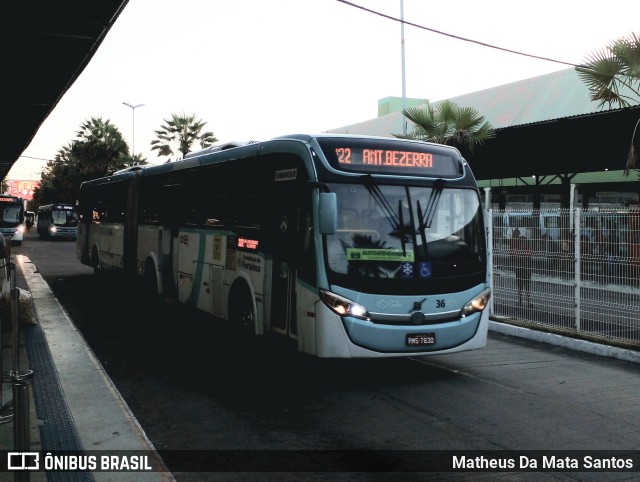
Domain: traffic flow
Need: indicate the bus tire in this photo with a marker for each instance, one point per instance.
(151, 282)
(241, 312)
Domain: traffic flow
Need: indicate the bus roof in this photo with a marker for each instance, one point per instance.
(10, 197)
(236, 149)
(57, 205)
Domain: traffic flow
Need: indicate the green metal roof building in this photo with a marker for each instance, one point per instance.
(549, 133)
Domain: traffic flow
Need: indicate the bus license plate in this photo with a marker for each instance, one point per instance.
(421, 339)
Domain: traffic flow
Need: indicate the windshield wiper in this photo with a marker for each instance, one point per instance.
(395, 219)
(401, 228)
(432, 204)
(411, 218)
(426, 217)
(381, 200)
(423, 231)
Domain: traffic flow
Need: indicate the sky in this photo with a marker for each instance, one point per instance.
(256, 69)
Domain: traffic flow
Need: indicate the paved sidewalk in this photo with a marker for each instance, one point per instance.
(72, 399)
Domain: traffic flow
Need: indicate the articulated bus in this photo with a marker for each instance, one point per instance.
(12, 218)
(57, 221)
(349, 246)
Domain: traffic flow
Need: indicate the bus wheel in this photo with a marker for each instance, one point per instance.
(241, 312)
(151, 282)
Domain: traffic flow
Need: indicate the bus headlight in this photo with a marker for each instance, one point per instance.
(342, 306)
(478, 303)
(53, 229)
(21, 229)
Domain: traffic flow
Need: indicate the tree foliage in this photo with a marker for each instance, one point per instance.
(612, 75)
(448, 123)
(98, 150)
(179, 133)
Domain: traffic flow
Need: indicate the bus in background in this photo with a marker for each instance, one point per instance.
(12, 218)
(57, 221)
(349, 246)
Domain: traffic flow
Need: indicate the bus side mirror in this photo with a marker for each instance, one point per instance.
(328, 213)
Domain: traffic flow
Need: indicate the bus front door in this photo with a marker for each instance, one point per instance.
(283, 295)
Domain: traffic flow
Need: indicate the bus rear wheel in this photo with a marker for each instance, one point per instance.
(241, 312)
(151, 283)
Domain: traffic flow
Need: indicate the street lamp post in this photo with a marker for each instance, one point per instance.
(404, 88)
(133, 121)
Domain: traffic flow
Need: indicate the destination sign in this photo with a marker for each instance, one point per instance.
(248, 243)
(388, 156)
(382, 157)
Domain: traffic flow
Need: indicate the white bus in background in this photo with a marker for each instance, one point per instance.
(12, 218)
(554, 230)
(548, 224)
(57, 221)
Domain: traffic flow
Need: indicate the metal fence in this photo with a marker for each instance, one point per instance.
(572, 270)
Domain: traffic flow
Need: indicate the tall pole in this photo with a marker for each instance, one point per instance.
(404, 88)
(133, 128)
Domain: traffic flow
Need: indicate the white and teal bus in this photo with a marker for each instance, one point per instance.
(350, 246)
(12, 218)
(58, 221)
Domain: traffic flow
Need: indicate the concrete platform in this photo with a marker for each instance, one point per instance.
(77, 399)
(74, 405)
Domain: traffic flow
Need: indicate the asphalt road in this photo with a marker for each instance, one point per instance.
(193, 384)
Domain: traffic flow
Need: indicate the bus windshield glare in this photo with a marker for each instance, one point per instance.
(64, 217)
(405, 233)
(11, 214)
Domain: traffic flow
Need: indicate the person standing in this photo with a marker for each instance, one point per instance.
(4, 248)
(4, 264)
(522, 258)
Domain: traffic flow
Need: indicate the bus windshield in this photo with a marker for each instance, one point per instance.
(11, 214)
(66, 217)
(399, 233)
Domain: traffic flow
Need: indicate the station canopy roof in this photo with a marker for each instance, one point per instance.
(45, 47)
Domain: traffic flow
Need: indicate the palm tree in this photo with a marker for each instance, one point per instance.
(448, 123)
(612, 75)
(98, 150)
(181, 132)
